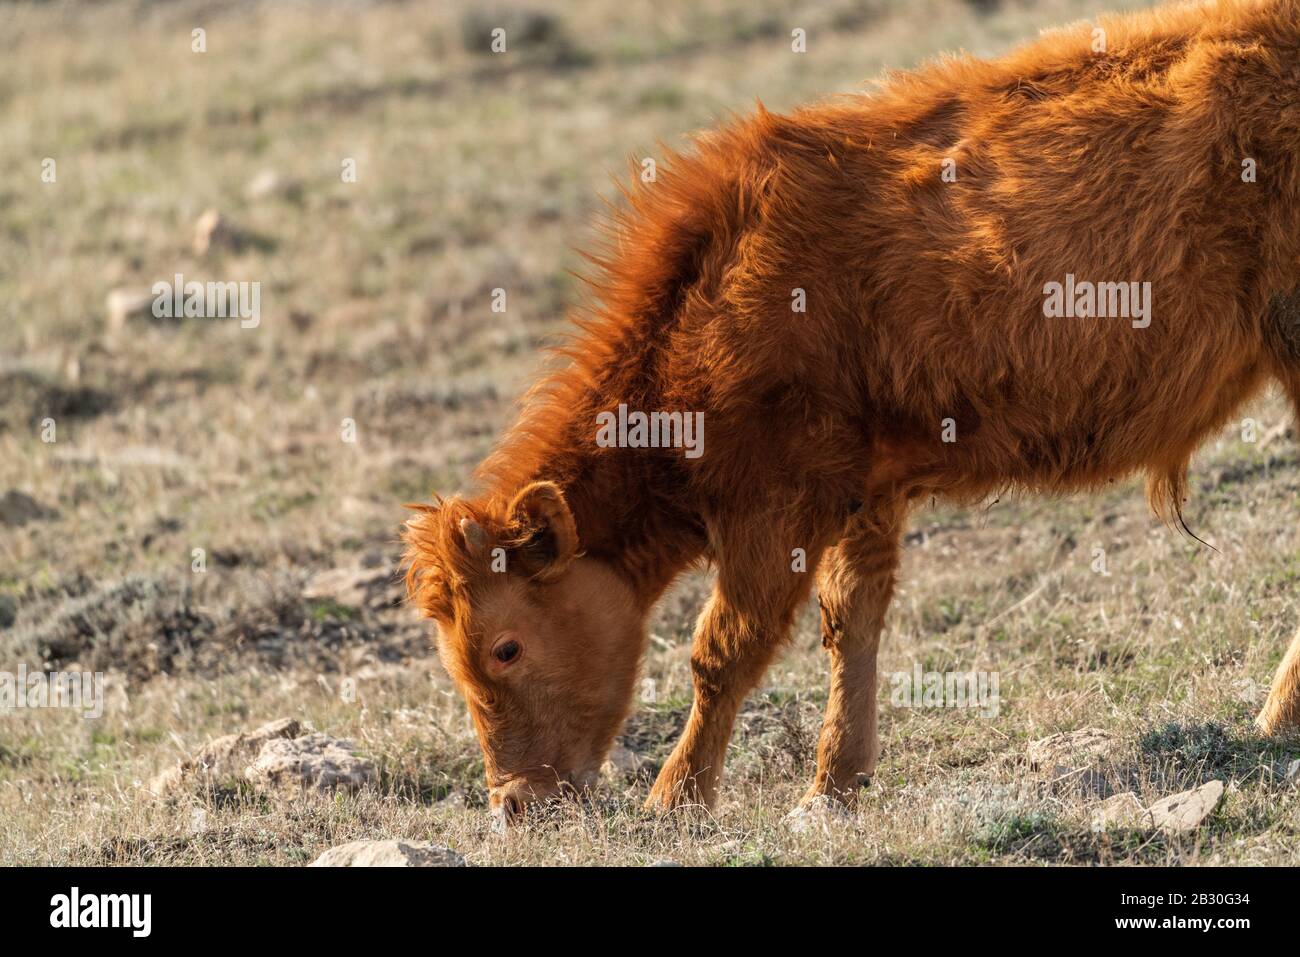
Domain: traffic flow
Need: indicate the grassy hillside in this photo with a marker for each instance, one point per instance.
(197, 444)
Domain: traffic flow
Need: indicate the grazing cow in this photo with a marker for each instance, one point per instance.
(1042, 273)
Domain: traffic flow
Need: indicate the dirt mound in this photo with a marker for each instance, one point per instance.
(135, 625)
(27, 397)
(142, 626)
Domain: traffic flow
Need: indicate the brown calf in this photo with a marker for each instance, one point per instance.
(1043, 273)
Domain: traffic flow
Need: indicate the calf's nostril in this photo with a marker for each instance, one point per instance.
(513, 806)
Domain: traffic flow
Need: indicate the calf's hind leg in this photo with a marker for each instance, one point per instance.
(855, 585)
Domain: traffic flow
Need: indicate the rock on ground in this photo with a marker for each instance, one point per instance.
(389, 854)
(18, 508)
(1071, 758)
(269, 183)
(1070, 748)
(1121, 810)
(277, 758)
(313, 762)
(214, 231)
(374, 588)
(124, 304)
(221, 762)
(1188, 810)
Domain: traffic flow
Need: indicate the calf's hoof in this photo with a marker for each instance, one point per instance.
(845, 793)
(680, 789)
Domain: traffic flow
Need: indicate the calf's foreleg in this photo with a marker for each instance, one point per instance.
(761, 582)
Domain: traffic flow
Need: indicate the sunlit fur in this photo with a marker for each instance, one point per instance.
(924, 307)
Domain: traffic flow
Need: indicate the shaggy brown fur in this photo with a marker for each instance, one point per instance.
(924, 365)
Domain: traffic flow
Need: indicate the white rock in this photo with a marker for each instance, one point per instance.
(269, 183)
(1121, 810)
(1070, 758)
(214, 231)
(124, 304)
(389, 854)
(313, 762)
(221, 761)
(355, 587)
(1070, 748)
(1293, 772)
(1188, 810)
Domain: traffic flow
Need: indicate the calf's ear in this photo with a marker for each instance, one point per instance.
(545, 536)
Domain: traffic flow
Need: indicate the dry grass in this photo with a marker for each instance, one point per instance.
(478, 172)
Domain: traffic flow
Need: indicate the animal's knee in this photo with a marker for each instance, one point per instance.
(832, 620)
(854, 585)
(708, 675)
(730, 645)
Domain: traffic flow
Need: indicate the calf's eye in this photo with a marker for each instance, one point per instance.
(507, 651)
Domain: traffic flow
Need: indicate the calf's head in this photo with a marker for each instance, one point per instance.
(542, 640)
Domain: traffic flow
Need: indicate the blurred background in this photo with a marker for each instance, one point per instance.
(208, 512)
